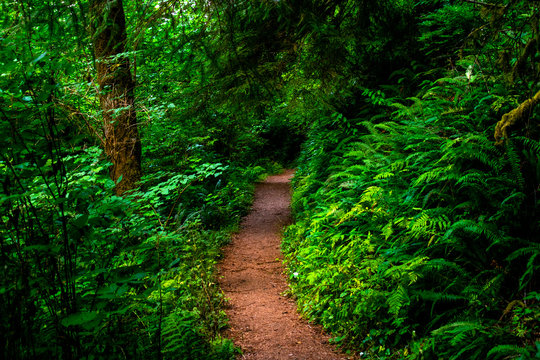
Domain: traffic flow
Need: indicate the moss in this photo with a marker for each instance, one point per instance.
(511, 118)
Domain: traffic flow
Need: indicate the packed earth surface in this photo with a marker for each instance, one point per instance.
(264, 322)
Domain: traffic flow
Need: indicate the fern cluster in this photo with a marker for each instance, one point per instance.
(416, 236)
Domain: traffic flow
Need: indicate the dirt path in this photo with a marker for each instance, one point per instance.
(262, 322)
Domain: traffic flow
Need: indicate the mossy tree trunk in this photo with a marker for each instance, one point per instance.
(116, 92)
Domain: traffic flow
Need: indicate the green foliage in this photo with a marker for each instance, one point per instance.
(408, 232)
(444, 31)
(132, 270)
(415, 234)
(87, 273)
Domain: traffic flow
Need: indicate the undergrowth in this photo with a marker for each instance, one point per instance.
(416, 236)
(108, 270)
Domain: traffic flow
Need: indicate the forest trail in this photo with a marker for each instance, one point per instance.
(264, 323)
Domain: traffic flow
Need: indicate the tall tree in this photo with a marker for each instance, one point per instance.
(116, 95)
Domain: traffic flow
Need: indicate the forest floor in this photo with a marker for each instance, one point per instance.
(264, 322)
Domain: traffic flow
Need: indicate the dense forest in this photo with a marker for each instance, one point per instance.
(133, 132)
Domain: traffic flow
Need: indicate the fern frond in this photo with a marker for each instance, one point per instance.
(371, 195)
(434, 296)
(398, 165)
(533, 249)
(531, 268)
(434, 175)
(506, 351)
(532, 145)
(458, 327)
(390, 127)
(475, 228)
(384, 175)
(398, 299)
(370, 127)
(515, 164)
(473, 179)
(425, 225)
(443, 265)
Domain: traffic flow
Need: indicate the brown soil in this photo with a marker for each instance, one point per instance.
(263, 322)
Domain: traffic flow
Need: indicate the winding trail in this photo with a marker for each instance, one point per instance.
(264, 323)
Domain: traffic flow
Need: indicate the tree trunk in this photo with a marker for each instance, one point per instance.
(122, 141)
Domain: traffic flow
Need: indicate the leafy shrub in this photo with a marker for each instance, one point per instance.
(122, 268)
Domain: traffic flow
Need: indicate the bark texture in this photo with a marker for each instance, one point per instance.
(116, 85)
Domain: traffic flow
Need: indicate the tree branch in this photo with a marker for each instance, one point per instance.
(512, 117)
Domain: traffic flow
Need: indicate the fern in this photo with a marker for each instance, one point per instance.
(389, 127)
(371, 195)
(398, 165)
(435, 175)
(531, 267)
(475, 180)
(472, 147)
(506, 351)
(180, 337)
(459, 331)
(474, 228)
(435, 296)
(515, 164)
(445, 266)
(533, 249)
(532, 145)
(427, 227)
(398, 299)
(384, 175)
